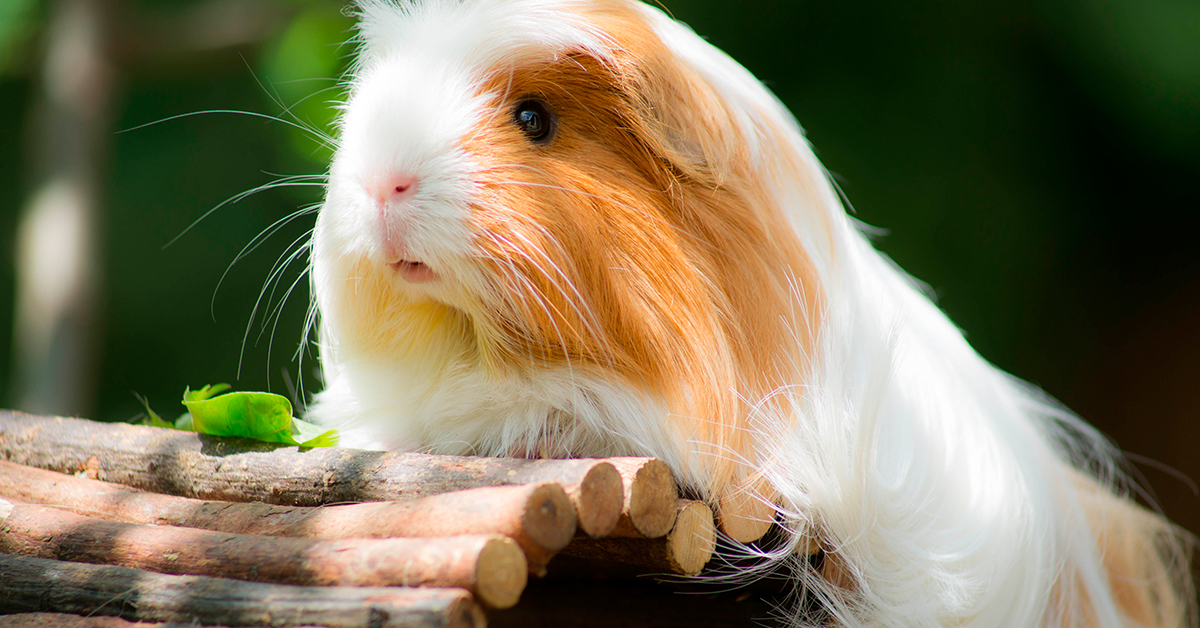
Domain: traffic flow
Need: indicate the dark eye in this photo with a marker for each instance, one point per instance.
(535, 120)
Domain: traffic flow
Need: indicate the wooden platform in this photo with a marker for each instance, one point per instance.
(604, 542)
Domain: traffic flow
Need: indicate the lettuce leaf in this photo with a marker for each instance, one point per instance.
(258, 415)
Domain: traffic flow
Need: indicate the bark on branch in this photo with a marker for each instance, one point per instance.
(61, 620)
(539, 517)
(492, 567)
(37, 584)
(232, 469)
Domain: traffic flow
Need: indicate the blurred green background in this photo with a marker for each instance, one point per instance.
(1036, 162)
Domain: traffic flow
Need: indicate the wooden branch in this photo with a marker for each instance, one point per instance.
(746, 513)
(36, 584)
(62, 620)
(648, 509)
(539, 517)
(492, 567)
(233, 469)
(684, 550)
(594, 486)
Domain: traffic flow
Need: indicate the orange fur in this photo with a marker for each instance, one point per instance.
(648, 244)
(1140, 551)
(644, 293)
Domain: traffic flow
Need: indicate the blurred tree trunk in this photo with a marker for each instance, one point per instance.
(89, 45)
(59, 261)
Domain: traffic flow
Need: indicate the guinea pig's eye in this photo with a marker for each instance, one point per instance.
(535, 120)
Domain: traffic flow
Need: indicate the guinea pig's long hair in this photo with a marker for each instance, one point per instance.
(608, 238)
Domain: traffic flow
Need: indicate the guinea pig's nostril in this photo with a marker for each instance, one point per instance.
(392, 188)
(402, 186)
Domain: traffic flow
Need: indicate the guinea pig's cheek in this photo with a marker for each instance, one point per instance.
(344, 226)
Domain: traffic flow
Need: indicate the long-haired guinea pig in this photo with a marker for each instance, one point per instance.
(573, 228)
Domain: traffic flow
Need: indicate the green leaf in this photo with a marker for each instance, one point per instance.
(258, 415)
(264, 416)
(209, 391)
(310, 435)
(152, 419)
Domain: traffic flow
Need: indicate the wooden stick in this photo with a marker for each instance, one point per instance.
(746, 513)
(36, 584)
(62, 620)
(539, 517)
(492, 567)
(594, 486)
(648, 509)
(684, 550)
(234, 469)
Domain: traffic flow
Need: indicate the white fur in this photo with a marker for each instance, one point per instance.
(937, 479)
(413, 98)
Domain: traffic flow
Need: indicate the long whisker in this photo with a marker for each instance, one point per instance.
(589, 319)
(288, 109)
(532, 295)
(238, 197)
(310, 321)
(509, 266)
(640, 211)
(285, 260)
(277, 274)
(574, 298)
(258, 241)
(325, 138)
(279, 310)
(321, 137)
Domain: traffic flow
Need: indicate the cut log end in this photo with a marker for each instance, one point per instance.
(501, 573)
(465, 613)
(599, 499)
(693, 539)
(685, 550)
(549, 517)
(746, 515)
(650, 496)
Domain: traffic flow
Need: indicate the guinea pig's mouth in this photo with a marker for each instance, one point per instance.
(414, 272)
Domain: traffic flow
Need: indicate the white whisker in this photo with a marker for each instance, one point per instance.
(257, 241)
(321, 137)
(286, 259)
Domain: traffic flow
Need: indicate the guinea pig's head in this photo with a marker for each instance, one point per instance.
(531, 184)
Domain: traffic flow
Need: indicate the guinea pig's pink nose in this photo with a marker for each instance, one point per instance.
(397, 186)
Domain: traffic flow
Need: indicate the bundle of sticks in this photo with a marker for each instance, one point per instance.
(143, 524)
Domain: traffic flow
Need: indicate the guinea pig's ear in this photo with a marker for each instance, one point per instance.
(683, 116)
(681, 119)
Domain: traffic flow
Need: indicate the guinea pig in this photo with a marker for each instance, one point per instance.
(574, 228)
